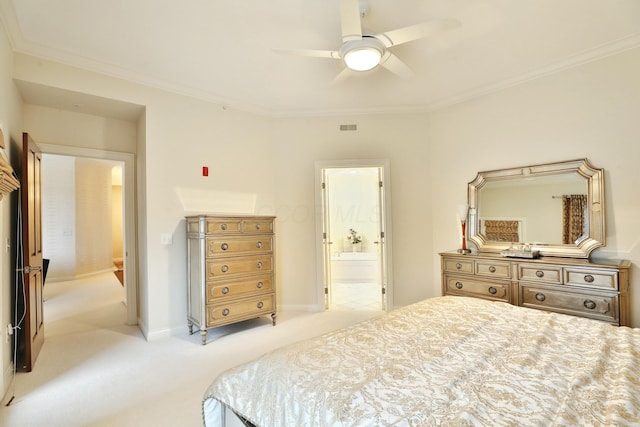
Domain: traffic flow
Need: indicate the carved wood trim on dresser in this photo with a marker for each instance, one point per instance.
(597, 289)
(230, 270)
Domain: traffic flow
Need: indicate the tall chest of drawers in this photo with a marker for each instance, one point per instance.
(230, 270)
(597, 289)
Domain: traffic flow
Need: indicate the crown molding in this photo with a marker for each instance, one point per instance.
(599, 52)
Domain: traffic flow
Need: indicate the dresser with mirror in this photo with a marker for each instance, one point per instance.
(532, 230)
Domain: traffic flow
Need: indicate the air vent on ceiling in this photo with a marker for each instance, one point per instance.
(348, 127)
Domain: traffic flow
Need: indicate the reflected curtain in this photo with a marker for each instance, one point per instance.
(573, 208)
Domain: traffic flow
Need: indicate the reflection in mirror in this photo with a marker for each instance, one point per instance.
(530, 209)
(557, 207)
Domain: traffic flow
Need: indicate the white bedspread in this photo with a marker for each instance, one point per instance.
(448, 361)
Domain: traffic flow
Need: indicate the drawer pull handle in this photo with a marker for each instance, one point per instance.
(492, 269)
(540, 273)
(259, 285)
(259, 245)
(223, 226)
(540, 297)
(459, 285)
(224, 246)
(225, 312)
(589, 305)
(257, 226)
(493, 290)
(259, 264)
(458, 266)
(260, 305)
(225, 268)
(589, 278)
(225, 290)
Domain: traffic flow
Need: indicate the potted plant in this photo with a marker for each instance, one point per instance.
(355, 239)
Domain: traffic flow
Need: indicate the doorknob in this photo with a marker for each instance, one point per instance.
(28, 269)
(376, 243)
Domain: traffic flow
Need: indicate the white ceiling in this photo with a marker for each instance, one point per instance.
(222, 50)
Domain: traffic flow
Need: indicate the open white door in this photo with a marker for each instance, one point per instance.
(381, 239)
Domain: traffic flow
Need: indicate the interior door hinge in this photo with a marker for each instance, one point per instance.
(326, 291)
(384, 291)
(324, 186)
(380, 184)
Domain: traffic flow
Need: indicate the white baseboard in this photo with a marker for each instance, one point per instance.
(7, 382)
(144, 329)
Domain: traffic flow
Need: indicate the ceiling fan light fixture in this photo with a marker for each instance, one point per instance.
(362, 59)
(362, 55)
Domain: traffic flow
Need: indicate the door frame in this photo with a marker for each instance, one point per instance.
(129, 220)
(321, 278)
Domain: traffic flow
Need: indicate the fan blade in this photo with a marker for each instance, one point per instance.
(417, 31)
(333, 54)
(396, 66)
(344, 74)
(350, 20)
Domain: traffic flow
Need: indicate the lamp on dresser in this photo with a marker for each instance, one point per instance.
(463, 212)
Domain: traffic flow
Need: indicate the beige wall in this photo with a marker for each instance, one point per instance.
(93, 217)
(298, 143)
(59, 216)
(589, 111)
(116, 221)
(54, 126)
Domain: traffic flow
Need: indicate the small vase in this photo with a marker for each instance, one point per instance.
(356, 247)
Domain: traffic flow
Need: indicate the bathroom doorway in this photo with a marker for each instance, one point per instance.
(354, 235)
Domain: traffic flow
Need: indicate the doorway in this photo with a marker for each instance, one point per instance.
(127, 242)
(354, 234)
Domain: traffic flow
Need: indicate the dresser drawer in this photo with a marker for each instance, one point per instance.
(254, 285)
(235, 310)
(224, 226)
(458, 265)
(498, 269)
(594, 305)
(591, 278)
(254, 226)
(460, 285)
(540, 273)
(218, 268)
(217, 246)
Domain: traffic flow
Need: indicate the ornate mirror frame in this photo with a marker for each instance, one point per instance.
(594, 178)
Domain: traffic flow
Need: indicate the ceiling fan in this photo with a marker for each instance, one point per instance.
(363, 51)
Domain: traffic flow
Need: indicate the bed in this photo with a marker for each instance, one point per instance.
(445, 361)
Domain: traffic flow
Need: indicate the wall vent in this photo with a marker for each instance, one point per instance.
(348, 127)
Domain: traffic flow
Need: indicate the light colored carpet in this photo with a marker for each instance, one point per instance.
(96, 371)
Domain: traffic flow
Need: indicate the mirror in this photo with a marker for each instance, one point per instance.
(557, 208)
